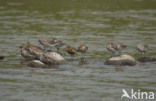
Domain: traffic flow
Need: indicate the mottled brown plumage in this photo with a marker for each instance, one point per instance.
(25, 52)
(142, 48)
(30, 51)
(53, 41)
(110, 47)
(119, 47)
(44, 42)
(48, 43)
(59, 44)
(82, 48)
(71, 50)
(34, 50)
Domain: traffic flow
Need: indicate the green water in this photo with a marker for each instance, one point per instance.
(93, 22)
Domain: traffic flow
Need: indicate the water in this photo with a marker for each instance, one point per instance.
(92, 22)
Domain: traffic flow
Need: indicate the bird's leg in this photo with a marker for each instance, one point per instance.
(113, 54)
(72, 57)
(119, 53)
(45, 48)
(143, 54)
(58, 49)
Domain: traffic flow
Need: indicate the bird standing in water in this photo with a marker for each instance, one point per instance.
(71, 50)
(59, 44)
(45, 43)
(82, 48)
(142, 48)
(110, 47)
(30, 51)
(48, 43)
(119, 47)
(34, 50)
(53, 40)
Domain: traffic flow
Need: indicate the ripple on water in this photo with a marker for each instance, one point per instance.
(90, 82)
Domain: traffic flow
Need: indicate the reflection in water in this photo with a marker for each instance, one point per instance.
(91, 22)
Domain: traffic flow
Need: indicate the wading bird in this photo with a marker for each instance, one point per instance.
(119, 47)
(48, 43)
(71, 50)
(110, 48)
(30, 51)
(82, 48)
(59, 44)
(142, 48)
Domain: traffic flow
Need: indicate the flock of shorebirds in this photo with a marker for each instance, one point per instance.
(116, 47)
(52, 45)
(49, 53)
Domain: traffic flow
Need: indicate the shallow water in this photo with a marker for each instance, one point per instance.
(92, 22)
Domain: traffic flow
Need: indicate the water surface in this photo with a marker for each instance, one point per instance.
(93, 22)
